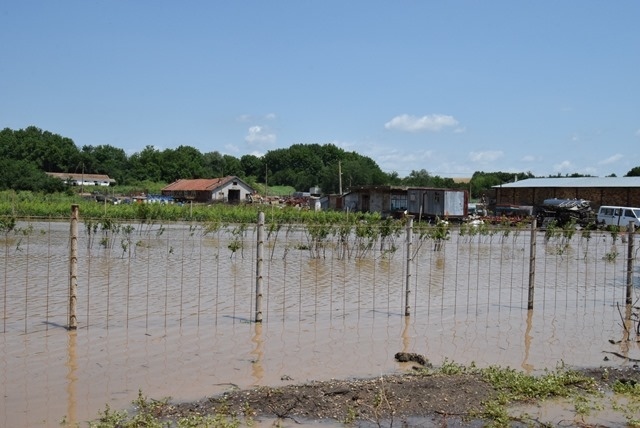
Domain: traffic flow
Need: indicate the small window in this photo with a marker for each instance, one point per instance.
(629, 213)
(398, 202)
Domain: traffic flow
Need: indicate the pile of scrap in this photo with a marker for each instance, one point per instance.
(565, 211)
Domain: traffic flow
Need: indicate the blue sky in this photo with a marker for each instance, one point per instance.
(452, 87)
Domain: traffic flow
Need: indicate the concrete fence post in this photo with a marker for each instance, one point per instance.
(532, 262)
(73, 268)
(259, 263)
(407, 305)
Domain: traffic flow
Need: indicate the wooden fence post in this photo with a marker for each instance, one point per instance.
(630, 256)
(259, 262)
(532, 262)
(73, 269)
(407, 306)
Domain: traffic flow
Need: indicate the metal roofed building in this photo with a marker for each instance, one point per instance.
(74, 179)
(623, 191)
(226, 189)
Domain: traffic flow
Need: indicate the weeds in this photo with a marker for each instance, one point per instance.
(150, 413)
(381, 403)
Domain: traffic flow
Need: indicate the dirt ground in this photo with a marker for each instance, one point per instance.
(433, 400)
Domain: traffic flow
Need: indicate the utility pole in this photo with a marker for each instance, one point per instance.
(266, 181)
(340, 176)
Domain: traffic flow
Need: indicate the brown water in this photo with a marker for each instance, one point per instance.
(172, 316)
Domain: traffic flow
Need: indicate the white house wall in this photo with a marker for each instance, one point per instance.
(90, 183)
(222, 193)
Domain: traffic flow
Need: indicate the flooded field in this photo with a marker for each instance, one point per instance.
(168, 309)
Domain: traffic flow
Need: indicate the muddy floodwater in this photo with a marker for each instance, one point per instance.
(169, 310)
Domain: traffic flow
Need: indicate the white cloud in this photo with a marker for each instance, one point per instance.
(392, 157)
(408, 123)
(530, 158)
(232, 148)
(563, 166)
(259, 134)
(402, 158)
(248, 117)
(611, 159)
(486, 156)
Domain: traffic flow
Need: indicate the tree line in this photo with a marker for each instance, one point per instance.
(26, 154)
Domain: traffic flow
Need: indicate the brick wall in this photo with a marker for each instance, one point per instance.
(623, 196)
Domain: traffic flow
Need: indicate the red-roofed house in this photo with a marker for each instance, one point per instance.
(226, 189)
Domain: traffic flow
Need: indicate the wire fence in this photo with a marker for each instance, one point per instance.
(151, 275)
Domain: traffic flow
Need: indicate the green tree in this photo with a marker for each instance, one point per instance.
(418, 178)
(633, 172)
(183, 162)
(213, 164)
(49, 152)
(25, 175)
(232, 166)
(147, 165)
(298, 166)
(482, 182)
(253, 166)
(106, 159)
(394, 179)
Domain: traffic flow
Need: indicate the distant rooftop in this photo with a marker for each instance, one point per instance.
(198, 184)
(573, 182)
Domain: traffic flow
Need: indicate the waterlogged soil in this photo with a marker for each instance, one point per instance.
(416, 399)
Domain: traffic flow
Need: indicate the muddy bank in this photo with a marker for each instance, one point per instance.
(432, 398)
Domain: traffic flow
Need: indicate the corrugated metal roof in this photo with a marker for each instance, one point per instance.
(198, 184)
(574, 182)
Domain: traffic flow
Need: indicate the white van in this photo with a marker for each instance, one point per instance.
(618, 216)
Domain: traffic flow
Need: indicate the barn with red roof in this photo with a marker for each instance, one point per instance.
(230, 189)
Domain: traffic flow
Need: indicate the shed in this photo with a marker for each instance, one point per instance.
(226, 189)
(385, 200)
(424, 202)
(624, 191)
(83, 179)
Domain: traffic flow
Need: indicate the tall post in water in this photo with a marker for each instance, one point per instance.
(407, 306)
(532, 262)
(631, 231)
(259, 262)
(73, 268)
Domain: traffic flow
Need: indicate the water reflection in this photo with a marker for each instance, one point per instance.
(186, 302)
(527, 367)
(72, 377)
(257, 369)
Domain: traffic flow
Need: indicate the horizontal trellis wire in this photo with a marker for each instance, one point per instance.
(153, 275)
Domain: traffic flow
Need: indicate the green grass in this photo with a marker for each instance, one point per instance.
(511, 387)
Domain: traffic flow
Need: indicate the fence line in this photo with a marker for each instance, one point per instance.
(153, 275)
